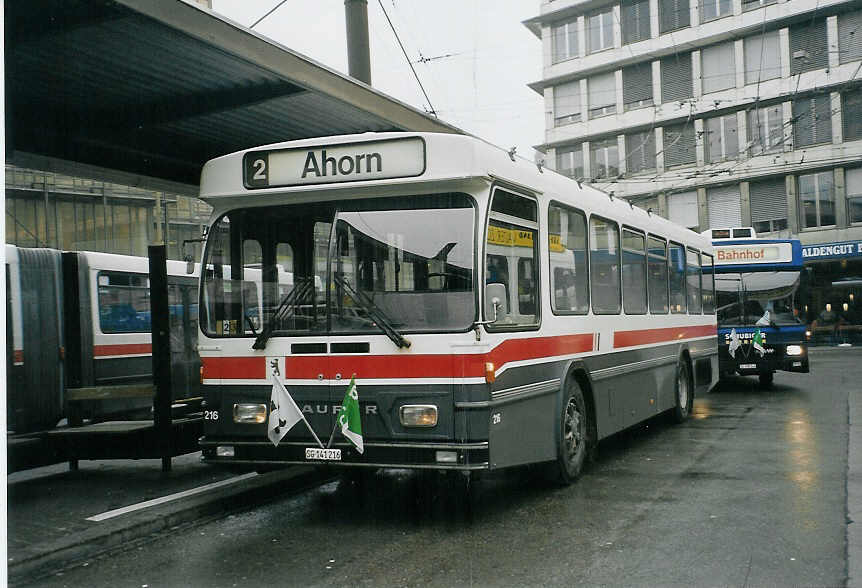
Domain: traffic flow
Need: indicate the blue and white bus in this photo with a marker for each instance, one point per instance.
(756, 283)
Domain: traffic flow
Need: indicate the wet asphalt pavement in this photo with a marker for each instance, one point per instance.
(751, 491)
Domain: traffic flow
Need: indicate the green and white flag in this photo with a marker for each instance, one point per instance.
(757, 342)
(348, 417)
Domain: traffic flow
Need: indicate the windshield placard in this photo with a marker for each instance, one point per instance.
(326, 164)
(751, 254)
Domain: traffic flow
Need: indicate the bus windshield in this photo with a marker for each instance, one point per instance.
(757, 298)
(342, 267)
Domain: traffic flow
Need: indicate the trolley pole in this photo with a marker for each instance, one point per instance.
(161, 333)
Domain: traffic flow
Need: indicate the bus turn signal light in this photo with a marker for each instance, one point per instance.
(489, 372)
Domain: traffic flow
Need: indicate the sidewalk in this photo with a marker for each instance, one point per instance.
(57, 517)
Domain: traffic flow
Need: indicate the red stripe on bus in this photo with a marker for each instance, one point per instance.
(647, 336)
(122, 349)
(400, 366)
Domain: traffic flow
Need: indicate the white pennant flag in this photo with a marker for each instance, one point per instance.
(283, 413)
(734, 343)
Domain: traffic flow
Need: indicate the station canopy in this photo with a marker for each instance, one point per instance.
(143, 92)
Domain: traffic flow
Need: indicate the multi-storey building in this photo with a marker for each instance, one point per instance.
(719, 113)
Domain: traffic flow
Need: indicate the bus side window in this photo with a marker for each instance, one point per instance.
(567, 246)
(676, 275)
(692, 271)
(605, 266)
(658, 302)
(708, 285)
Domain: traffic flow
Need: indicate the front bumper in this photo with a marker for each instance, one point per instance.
(468, 456)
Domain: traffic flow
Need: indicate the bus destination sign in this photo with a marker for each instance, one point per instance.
(753, 254)
(326, 164)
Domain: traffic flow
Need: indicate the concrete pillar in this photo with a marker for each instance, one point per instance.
(547, 47)
(832, 41)
(656, 82)
(618, 31)
(621, 149)
(786, 117)
(585, 100)
(358, 52)
(659, 150)
(662, 205)
(618, 86)
(793, 224)
(699, 140)
(840, 198)
(784, 45)
(694, 13)
(742, 133)
(739, 58)
(585, 150)
(702, 210)
(695, 74)
(745, 204)
(837, 117)
(737, 7)
(653, 19)
(582, 37)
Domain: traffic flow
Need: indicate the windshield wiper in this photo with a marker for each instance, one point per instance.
(373, 310)
(285, 309)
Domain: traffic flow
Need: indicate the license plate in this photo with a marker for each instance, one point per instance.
(748, 366)
(322, 454)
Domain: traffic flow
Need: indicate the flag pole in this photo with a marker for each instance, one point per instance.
(313, 433)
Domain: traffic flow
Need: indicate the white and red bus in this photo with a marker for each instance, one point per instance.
(493, 313)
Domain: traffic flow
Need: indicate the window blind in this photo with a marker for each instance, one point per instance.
(676, 77)
(808, 46)
(640, 152)
(682, 208)
(673, 15)
(768, 200)
(725, 208)
(635, 20)
(812, 121)
(762, 57)
(679, 145)
(637, 85)
(718, 67)
(850, 36)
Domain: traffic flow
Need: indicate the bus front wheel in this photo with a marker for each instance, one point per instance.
(684, 392)
(766, 379)
(574, 441)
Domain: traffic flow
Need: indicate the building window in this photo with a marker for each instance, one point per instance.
(570, 161)
(762, 57)
(682, 209)
(635, 20)
(754, 4)
(853, 181)
(564, 41)
(640, 152)
(808, 46)
(634, 273)
(637, 85)
(722, 140)
(850, 36)
(817, 199)
(602, 94)
(567, 242)
(567, 103)
(713, 9)
(673, 15)
(604, 266)
(604, 158)
(851, 113)
(768, 205)
(676, 77)
(679, 145)
(718, 67)
(765, 130)
(725, 207)
(600, 31)
(812, 123)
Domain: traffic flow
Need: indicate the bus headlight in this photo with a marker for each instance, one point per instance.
(794, 350)
(418, 415)
(249, 413)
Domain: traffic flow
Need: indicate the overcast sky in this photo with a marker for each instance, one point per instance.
(481, 56)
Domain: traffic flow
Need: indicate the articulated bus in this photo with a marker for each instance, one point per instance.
(82, 319)
(492, 313)
(756, 281)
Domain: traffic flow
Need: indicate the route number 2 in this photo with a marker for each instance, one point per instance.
(256, 166)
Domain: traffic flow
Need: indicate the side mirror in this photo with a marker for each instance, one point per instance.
(190, 264)
(495, 302)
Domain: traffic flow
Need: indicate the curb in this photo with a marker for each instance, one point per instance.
(100, 540)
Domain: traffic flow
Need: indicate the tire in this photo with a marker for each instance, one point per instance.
(766, 379)
(683, 391)
(574, 441)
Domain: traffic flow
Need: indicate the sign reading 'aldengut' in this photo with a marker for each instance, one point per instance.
(832, 250)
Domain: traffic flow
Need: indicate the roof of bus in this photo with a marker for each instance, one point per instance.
(449, 158)
(130, 263)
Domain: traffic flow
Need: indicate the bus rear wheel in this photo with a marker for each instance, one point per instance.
(574, 442)
(684, 392)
